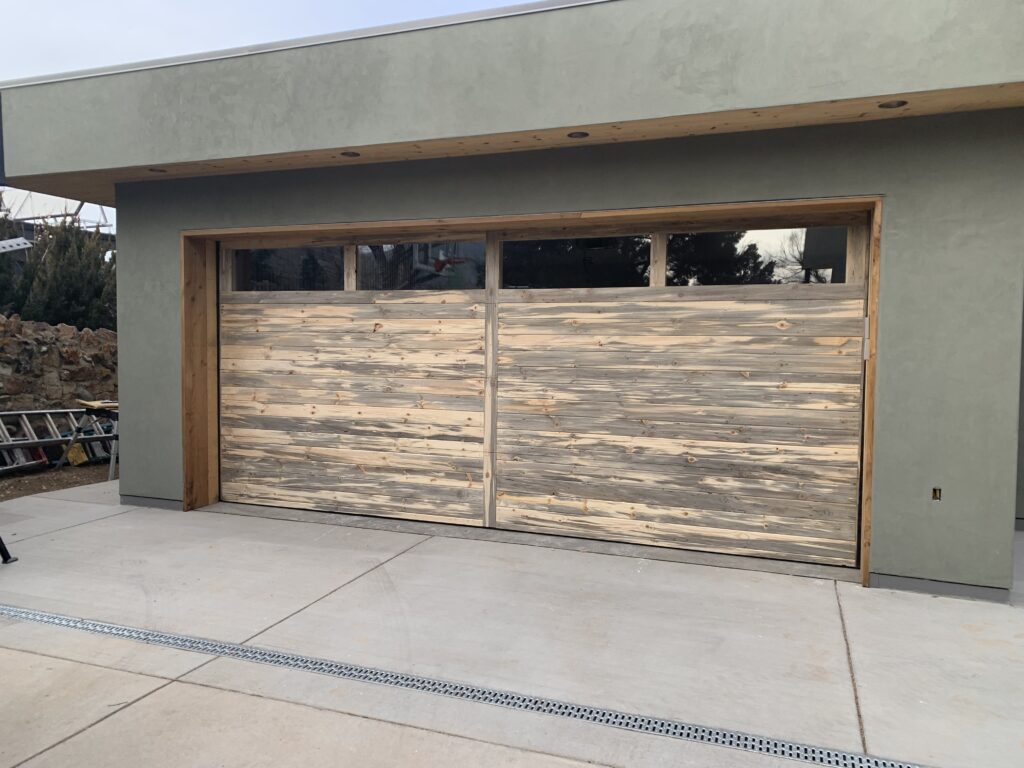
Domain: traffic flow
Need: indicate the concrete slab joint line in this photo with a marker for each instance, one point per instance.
(849, 663)
(634, 722)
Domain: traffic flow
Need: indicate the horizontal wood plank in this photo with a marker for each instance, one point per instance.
(787, 292)
(332, 298)
(430, 401)
(463, 512)
(348, 382)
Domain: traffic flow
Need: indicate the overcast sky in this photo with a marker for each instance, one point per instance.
(50, 36)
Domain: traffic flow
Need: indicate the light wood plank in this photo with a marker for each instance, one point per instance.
(400, 399)
(326, 299)
(727, 541)
(370, 442)
(785, 291)
(833, 527)
(305, 338)
(703, 447)
(356, 385)
(411, 508)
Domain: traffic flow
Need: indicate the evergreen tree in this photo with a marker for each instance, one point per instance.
(9, 281)
(68, 279)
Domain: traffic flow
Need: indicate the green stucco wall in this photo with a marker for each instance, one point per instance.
(615, 61)
(952, 290)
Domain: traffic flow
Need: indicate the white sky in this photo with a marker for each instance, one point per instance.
(769, 241)
(44, 38)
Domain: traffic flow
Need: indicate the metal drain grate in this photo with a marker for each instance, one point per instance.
(631, 722)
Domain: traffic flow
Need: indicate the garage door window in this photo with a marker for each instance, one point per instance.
(811, 255)
(595, 262)
(454, 265)
(288, 269)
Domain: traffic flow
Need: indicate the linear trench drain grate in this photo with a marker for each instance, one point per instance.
(625, 720)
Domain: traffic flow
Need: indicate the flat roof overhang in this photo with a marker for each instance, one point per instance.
(540, 76)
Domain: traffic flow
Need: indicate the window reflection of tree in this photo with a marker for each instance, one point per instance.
(580, 263)
(716, 258)
(449, 265)
(289, 269)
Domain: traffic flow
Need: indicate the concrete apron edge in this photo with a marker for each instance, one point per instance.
(634, 722)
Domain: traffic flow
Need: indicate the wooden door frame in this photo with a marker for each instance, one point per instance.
(199, 296)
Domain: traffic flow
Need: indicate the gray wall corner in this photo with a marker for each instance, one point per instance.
(148, 501)
(940, 588)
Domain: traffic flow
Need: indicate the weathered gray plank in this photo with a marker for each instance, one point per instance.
(788, 292)
(385, 446)
(438, 417)
(645, 481)
(654, 415)
(438, 372)
(346, 426)
(463, 386)
(597, 376)
(440, 489)
(666, 345)
(834, 527)
(727, 541)
(688, 360)
(400, 399)
(704, 447)
(351, 297)
(410, 508)
(832, 441)
(356, 355)
(415, 323)
(335, 452)
(613, 456)
(520, 395)
(325, 474)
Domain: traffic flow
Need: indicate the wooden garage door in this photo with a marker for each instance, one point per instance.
(718, 418)
(363, 402)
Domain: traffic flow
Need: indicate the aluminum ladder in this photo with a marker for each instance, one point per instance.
(25, 434)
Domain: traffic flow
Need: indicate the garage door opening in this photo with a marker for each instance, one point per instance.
(656, 379)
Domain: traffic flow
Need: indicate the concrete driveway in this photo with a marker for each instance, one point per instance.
(934, 681)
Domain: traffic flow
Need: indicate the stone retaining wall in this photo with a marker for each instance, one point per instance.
(47, 366)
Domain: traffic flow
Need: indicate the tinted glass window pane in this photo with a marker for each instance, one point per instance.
(813, 255)
(289, 269)
(595, 262)
(422, 266)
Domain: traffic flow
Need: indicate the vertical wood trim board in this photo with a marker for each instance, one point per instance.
(868, 430)
(659, 260)
(351, 266)
(492, 271)
(858, 243)
(719, 418)
(199, 350)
